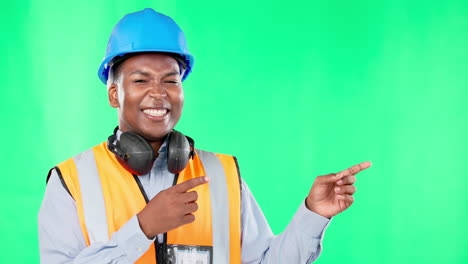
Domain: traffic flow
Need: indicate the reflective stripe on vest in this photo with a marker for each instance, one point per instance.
(94, 209)
(219, 200)
(107, 196)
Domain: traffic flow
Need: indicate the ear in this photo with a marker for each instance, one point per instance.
(112, 93)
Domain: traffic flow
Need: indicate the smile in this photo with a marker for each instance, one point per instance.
(155, 112)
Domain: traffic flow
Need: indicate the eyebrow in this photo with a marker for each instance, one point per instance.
(148, 74)
(140, 72)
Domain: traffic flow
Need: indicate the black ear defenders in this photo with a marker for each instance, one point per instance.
(136, 154)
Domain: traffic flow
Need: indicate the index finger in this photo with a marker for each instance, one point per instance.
(190, 184)
(354, 169)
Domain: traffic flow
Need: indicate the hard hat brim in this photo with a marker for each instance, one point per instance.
(103, 71)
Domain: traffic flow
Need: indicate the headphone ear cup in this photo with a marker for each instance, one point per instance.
(178, 152)
(139, 155)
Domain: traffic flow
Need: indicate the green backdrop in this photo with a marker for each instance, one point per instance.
(294, 89)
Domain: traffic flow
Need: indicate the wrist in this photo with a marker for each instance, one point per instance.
(311, 207)
(142, 221)
(308, 204)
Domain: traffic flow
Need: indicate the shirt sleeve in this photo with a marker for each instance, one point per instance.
(61, 239)
(300, 242)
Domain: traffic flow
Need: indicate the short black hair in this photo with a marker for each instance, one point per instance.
(117, 63)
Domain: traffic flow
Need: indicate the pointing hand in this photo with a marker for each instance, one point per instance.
(170, 208)
(333, 193)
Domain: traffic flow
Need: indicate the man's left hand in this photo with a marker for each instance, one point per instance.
(333, 193)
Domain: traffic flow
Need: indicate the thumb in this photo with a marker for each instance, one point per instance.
(326, 179)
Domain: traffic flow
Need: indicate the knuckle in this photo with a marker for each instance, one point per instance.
(185, 185)
(191, 183)
(195, 182)
(174, 189)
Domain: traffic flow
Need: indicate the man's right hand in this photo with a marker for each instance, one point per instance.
(170, 208)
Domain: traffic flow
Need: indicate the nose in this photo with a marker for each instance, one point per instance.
(157, 91)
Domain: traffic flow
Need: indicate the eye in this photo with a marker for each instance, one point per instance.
(172, 82)
(139, 81)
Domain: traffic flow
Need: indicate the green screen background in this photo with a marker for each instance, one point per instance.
(294, 89)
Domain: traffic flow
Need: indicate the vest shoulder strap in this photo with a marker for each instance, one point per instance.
(81, 177)
(225, 190)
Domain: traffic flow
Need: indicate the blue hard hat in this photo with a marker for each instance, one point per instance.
(145, 31)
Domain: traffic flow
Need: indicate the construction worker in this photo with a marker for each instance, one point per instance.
(147, 195)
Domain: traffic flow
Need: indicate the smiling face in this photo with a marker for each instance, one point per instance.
(148, 95)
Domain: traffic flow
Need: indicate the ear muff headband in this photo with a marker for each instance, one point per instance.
(136, 154)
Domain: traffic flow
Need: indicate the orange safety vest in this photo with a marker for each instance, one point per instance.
(107, 196)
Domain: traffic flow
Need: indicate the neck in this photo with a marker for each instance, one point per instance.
(156, 146)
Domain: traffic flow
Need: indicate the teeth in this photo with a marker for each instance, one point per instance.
(155, 112)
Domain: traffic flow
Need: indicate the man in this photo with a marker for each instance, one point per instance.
(147, 196)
